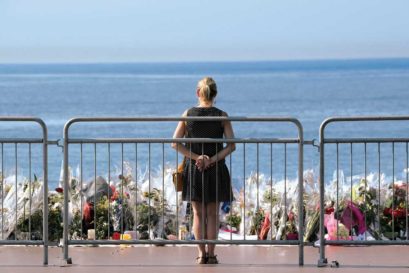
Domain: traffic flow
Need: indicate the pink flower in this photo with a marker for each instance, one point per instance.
(352, 216)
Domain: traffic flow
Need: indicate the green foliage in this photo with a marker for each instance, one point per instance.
(234, 220)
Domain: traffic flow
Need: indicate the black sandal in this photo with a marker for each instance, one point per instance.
(212, 260)
(201, 260)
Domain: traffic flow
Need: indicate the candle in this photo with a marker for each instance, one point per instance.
(91, 234)
(131, 233)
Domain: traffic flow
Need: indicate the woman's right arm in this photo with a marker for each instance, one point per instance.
(180, 133)
(229, 148)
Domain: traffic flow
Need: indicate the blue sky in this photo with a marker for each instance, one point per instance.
(192, 30)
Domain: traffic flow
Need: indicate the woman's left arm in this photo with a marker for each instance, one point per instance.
(229, 148)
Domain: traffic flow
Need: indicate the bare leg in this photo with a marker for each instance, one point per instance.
(212, 212)
(198, 213)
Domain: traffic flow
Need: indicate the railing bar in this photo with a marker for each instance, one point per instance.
(203, 200)
(364, 140)
(271, 190)
(337, 206)
(136, 190)
(244, 190)
(16, 172)
(190, 193)
(95, 189)
(257, 176)
(2, 191)
(22, 140)
(29, 190)
(81, 193)
(109, 196)
(163, 189)
(230, 194)
(285, 181)
(393, 188)
(178, 227)
(407, 188)
(149, 189)
(122, 181)
(352, 174)
(366, 184)
(184, 140)
(217, 188)
(379, 187)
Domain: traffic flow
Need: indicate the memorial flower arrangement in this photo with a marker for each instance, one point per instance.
(151, 211)
(394, 216)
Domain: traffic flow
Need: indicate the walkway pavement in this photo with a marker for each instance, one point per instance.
(180, 259)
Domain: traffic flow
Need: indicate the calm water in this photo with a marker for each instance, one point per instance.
(308, 90)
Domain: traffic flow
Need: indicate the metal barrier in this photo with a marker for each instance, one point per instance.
(27, 190)
(102, 209)
(362, 208)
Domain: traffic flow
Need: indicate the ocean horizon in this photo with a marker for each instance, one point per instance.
(309, 90)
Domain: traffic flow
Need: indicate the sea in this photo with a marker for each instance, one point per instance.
(310, 91)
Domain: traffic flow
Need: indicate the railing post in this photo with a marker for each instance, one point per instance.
(66, 258)
(322, 260)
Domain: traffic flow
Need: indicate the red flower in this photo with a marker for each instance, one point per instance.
(59, 190)
(87, 212)
(396, 213)
(115, 196)
(291, 216)
(329, 210)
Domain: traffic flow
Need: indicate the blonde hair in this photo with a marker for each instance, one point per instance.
(207, 88)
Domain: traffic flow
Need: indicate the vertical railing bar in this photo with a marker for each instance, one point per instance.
(163, 189)
(81, 193)
(45, 196)
(393, 188)
(285, 179)
(109, 196)
(379, 187)
(257, 177)
(203, 200)
(352, 171)
(406, 196)
(2, 191)
(230, 192)
(337, 206)
(95, 190)
(271, 190)
(122, 188)
(244, 190)
(217, 187)
(178, 228)
(149, 190)
(29, 190)
(190, 192)
(366, 183)
(136, 190)
(16, 172)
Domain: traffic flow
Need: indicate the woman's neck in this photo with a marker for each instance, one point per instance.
(205, 104)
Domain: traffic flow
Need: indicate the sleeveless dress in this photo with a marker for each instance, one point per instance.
(213, 184)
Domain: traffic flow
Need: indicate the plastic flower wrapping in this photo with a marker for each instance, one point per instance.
(148, 207)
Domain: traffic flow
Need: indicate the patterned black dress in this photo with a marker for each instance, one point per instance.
(213, 184)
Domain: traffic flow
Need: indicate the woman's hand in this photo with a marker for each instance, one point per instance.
(203, 162)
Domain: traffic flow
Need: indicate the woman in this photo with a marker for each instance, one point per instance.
(207, 179)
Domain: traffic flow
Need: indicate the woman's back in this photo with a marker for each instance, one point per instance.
(205, 129)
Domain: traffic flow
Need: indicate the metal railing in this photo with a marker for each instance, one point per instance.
(359, 204)
(23, 194)
(127, 191)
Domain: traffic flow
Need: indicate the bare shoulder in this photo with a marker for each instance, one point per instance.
(185, 113)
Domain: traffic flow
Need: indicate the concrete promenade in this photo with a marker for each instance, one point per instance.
(181, 259)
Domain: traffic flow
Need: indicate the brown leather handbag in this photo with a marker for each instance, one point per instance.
(177, 176)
